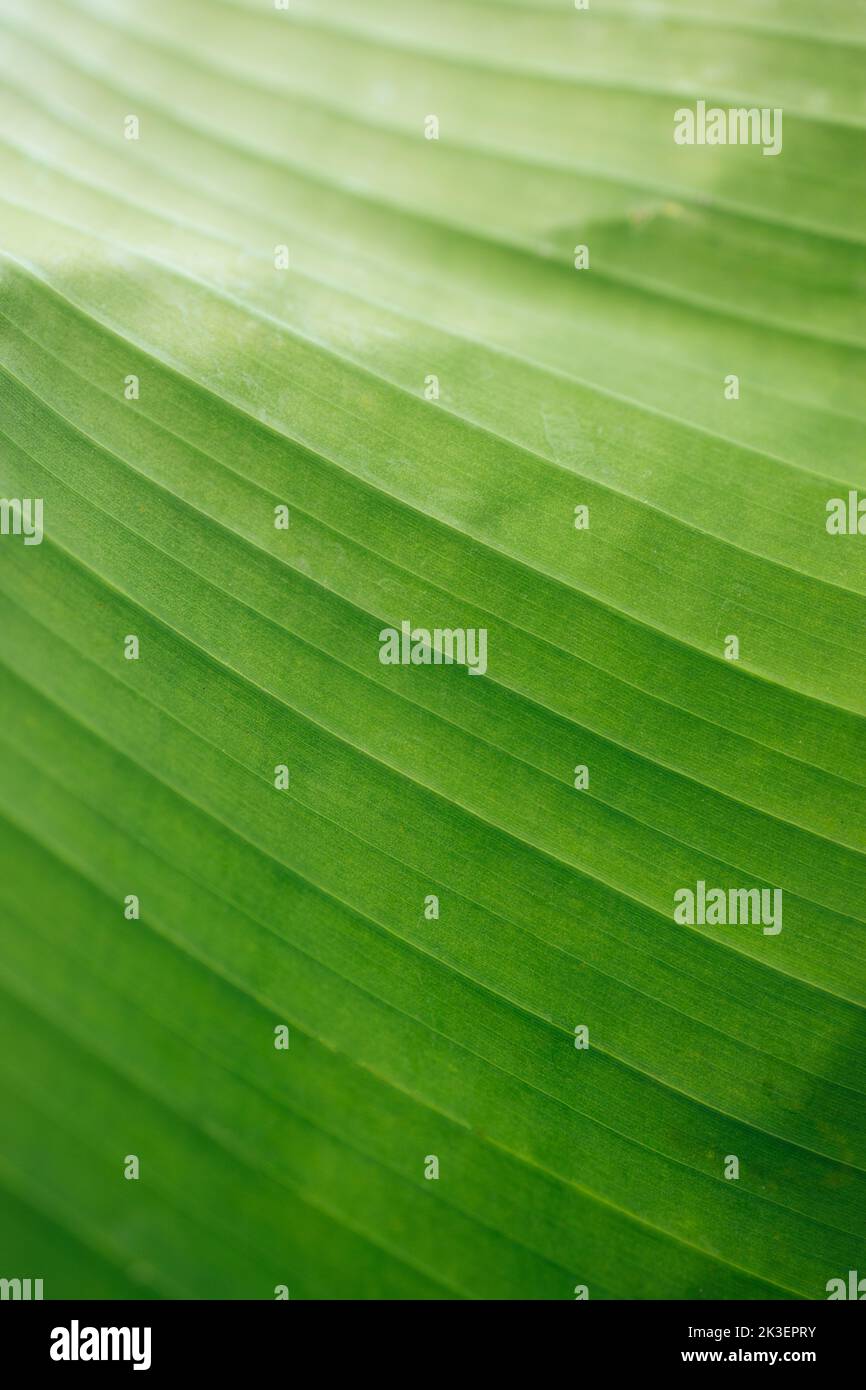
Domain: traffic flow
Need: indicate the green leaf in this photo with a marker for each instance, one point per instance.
(411, 1034)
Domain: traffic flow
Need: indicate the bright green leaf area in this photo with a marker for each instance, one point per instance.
(259, 387)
